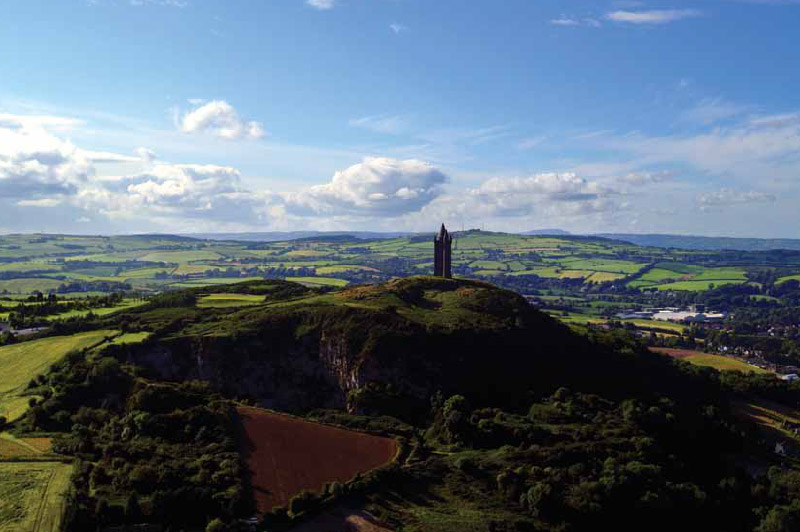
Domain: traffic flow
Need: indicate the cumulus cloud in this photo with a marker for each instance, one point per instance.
(321, 4)
(145, 154)
(220, 118)
(35, 163)
(44, 202)
(558, 193)
(726, 196)
(177, 191)
(656, 16)
(38, 169)
(378, 186)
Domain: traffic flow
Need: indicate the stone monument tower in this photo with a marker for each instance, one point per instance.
(443, 254)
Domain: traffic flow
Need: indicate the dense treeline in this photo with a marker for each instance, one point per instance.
(146, 452)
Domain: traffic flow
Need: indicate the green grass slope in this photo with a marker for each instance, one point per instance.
(22, 362)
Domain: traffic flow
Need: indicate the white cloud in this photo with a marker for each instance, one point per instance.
(398, 28)
(51, 123)
(44, 202)
(176, 191)
(378, 186)
(763, 147)
(321, 4)
(726, 196)
(220, 118)
(645, 178)
(558, 193)
(35, 163)
(570, 21)
(145, 154)
(657, 16)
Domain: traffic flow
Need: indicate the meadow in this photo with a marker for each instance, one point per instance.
(32, 495)
(19, 363)
(718, 362)
(229, 300)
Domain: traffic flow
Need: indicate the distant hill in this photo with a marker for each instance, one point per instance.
(276, 236)
(540, 232)
(706, 243)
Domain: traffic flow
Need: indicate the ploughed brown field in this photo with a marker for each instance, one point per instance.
(287, 455)
(676, 353)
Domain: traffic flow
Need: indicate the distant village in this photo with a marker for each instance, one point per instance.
(694, 314)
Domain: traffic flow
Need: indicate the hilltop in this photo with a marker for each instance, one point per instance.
(393, 344)
(498, 417)
(415, 335)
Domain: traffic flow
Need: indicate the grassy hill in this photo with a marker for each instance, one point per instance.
(505, 419)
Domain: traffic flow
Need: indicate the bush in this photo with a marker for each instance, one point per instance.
(302, 502)
(217, 525)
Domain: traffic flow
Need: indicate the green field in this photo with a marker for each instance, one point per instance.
(319, 281)
(230, 300)
(179, 257)
(722, 363)
(25, 267)
(32, 495)
(101, 311)
(130, 338)
(696, 286)
(26, 286)
(19, 363)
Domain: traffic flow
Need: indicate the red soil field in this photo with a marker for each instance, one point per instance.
(676, 353)
(287, 455)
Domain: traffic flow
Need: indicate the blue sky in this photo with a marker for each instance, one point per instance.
(181, 115)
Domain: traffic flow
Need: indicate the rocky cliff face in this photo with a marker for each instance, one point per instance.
(407, 340)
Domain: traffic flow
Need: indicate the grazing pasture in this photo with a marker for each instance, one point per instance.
(230, 300)
(320, 281)
(32, 495)
(28, 285)
(180, 257)
(19, 363)
(287, 455)
(718, 362)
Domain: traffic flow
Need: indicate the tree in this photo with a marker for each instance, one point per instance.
(217, 525)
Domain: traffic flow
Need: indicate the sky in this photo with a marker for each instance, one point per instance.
(181, 116)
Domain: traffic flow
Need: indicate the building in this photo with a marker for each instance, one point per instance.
(443, 254)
